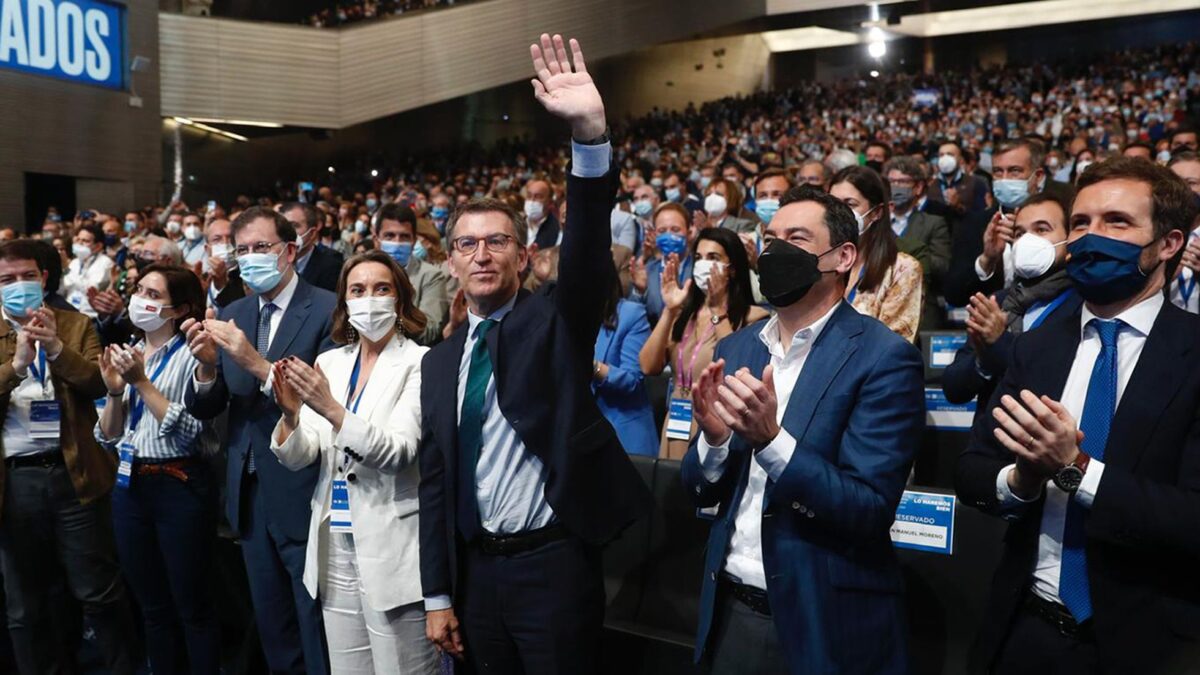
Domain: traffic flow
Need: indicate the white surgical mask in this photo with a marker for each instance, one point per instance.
(702, 272)
(372, 317)
(146, 314)
(862, 220)
(534, 209)
(81, 251)
(947, 164)
(715, 205)
(1033, 256)
(173, 226)
(191, 232)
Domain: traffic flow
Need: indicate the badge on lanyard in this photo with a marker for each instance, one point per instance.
(339, 515)
(44, 420)
(679, 419)
(125, 467)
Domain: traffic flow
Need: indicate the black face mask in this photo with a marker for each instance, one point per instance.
(786, 272)
(142, 263)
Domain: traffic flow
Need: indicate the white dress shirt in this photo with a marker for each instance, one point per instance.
(1139, 319)
(744, 559)
(1185, 279)
(94, 272)
(1007, 259)
(193, 251)
(17, 437)
(900, 220)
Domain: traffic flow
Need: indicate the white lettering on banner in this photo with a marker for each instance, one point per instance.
(12, 33)
(99, 63)
(925, 522)
(70, 39)
(42, 49)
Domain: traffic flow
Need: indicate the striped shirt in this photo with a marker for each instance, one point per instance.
(178, 434)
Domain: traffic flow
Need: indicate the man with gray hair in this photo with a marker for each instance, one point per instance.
(112, 322)
(159, 251)
(922, 235)
(840, 159)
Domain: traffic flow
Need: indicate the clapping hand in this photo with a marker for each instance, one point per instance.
(310, 385)
(739, 403)
(567, 92)
(1000, 232)
(673, 294)
(637, 274)
(1038, 431)
(1191, 255)
(43, 328)
(985, 321)
(129, 362)
(110, 372)
(286, 396)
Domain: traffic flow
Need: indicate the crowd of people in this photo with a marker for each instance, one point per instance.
(341, 13)
(425, 392)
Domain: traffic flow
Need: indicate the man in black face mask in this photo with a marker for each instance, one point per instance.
(853, 391)
(1091, 449)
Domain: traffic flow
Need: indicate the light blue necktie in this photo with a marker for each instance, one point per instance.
(1098, 409)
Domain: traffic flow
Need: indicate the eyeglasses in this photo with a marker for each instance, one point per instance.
(260, 247)
(496, 243)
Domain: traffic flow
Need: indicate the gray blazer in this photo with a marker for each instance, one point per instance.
(432, 297)
(928, 240)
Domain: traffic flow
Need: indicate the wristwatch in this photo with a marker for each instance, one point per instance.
(1069, 478)
(603, 138)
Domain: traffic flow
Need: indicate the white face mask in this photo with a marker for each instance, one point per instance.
(947, 164)
(146, 314)
(372, 317)
(174, 226)
(534, 210)
(81, 251)
(191, 232)
(1033, 256)
(715, 205)
(702, 272)
(862, 220)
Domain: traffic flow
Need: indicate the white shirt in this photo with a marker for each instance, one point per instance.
(1130, 341)
(193, 251)
(84, 274)
(1008, 267)
(900, 220)
(744, 559)
(1186, 280)
(17, 437)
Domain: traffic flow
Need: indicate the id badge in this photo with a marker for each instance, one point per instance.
(76, 299)
(339, 513)
(44, 420)
(125, 467)
(679, 420)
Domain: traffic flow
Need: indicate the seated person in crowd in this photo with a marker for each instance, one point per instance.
(921, 234)
(395, 232)
(89, 268)
(617, 378)
(673, 235)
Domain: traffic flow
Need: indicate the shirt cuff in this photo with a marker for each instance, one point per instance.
(775, 457)
(1004, 494)
(1086, 493)
(434, 603)
(712, 458)
(983, 276)
(266, 388)
(981, 371)
(590, 161)
(202, 387)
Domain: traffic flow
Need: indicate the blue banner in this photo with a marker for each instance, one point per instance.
(76, 40)
(925, 522)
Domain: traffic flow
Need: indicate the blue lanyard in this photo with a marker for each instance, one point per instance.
(137, 406)
(854, 289)
(353, 406)
(39, 371)
(1053, 305)
(1186, 288)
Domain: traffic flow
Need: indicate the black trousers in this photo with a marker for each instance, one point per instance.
(537, 612)
(743, 642)
(1035, 646)
(45, 528)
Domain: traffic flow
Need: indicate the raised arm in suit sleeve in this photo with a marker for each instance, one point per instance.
(300, 449)
(857, 497)
(962, 380)
(208, 399)
(626, 377)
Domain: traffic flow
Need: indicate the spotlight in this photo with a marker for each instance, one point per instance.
(331, 169)
(877, 49)
(374, 173)
(874, 73)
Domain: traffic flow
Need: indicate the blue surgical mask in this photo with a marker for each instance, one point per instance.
(673, 194)
(669, 243)
(260, 271)
(1011, 192)
(439, 213)
(766, 208)
(1106, 270)
(130, 225)
(371, 204)
(419, 251)
(399, 251)
(21, 297)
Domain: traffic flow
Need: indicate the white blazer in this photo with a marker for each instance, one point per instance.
(385, 432)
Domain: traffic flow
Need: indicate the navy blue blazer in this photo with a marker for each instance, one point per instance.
(1143, 530)
(303, 332)
(857, 414)
(542, 359)
(622, 395)
(323, 268)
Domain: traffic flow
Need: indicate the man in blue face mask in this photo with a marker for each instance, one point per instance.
(1089, 448)
(672, 235)
(395, 232)
(266, 504)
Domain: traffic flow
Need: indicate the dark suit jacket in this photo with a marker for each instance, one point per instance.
(542, 355)
(234, 290)
(928, 240)
(304, 333)
(323, 268)
(1143, 529)
(857, 414)
(547, 236)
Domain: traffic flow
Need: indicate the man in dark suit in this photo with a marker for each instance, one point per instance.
(266, 504)
(809, 422)
(921, 234)
(978, 263)
(318, 265)
(544, 229)
(522, 479)
(1092, 451)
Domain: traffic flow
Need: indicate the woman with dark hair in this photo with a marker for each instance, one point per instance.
(358, 414)
(715, 302)
(885, 283)
(164, 503)
(617, 379)
(1083, 159)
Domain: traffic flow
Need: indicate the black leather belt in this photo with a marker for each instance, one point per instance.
(1059, 617)
(512, 544)
(43, 460)
(751, 596)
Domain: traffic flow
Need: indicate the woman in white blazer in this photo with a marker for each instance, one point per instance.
(359, 412)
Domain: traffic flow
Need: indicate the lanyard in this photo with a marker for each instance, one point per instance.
(1053, 305)
(39, 371)
(854, 289)
(137, 406)
(353, 406)
(684, 379)
(1186, 288)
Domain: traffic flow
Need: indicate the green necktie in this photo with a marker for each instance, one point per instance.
(470, 430)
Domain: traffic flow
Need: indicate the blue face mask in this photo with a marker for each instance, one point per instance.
(439, 213)
(260, 271)
(21, 297)
(371, 204)
(419, 251)
(673, 194)
(766, 208)
(1106, 270)
(400, 252)
(642, 207)
(130, 225)
(669, 243)
(1011, 192)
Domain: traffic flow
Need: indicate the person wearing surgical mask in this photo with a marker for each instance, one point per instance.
(89, 268)
(395, 234)
(921, 234)
(316, 264)
(356, 416)
(163, 505)
(223, 281)
(544, 227)
(769, 187)
(1041, 292)
(884, 283)
(675, 189)
(953, 185)
(671, 233)
(697, 313)
(645, 201)
(192, 242)
(1186, 165)
(1083, 159)
(722, 201)
(114, 243)
(174, 225)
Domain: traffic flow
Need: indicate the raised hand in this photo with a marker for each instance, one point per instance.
(311, 385)
(25, 352)
(567, 92)
(286, 396)
(1191, 255)
(748, 405)
(985, 320)
(704, 398)
(106, 302)
(718, 283)
(999, 233)
(202, 345)
(109, 371)
(43, 327)
(673, 294)
(130, 362)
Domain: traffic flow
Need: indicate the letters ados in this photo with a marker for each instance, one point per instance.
(60, 37)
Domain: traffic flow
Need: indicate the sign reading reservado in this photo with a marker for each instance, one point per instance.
(76, 40)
